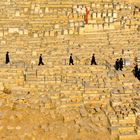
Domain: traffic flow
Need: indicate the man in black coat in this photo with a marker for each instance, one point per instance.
(121, 63)
(40, 60)
(139, 74)
(136, 69)
(93, 61)
(71, 60)
(7, 58)
(117, 64)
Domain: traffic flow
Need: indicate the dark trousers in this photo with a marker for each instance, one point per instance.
(93, 62)
(71, 63)
(41, 63)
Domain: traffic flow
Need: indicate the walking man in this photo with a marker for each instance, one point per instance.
(117, 64)
(40, 60)
(71, 60)
(93, 61)
(136, 70)
(7, 58)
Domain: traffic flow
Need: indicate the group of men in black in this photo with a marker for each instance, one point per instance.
(71, 61)
(118, 63)
(136, 71)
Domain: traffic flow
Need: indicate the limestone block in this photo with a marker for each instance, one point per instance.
(10, 127)
(21, 32)
(52, 33)
(25, 31)
(127, 120)
(76, 24)
(98, 5)
(47, 33)
(18, 127)
(99, 15)
(110, 14)
(71, 31)
(83, 112)
(104, 14)
(130, 7)
(117, 7)
(111, 19)
(99, 20)
(93, 5)
(114, 130)
(35, 35)
(106, 5)
(32, 12)
(34, 53)
(18, 51)
(95, 26)
(131, 136)
(13, 30)
(94, 15)
(106, 19)
(100, 26)
(91, 21)
(6, 32)
(74, 6)
(110, 6)
(40, 11)
(1, 33)
(127, 62)
(115, 15)
(83, 10)
(1, 86)
(122, 6)
(78, 10)
(138, 59)
(3, 42)
(117, 25)
(46, 10)
(36, 10)
(138, 131)
(32, 5)
(125, 129)
(56, 26)
(127, 27)
(71, 24)
(17, 14)
(81, 24)
(111, 26)
(26, 9)
(41, 14)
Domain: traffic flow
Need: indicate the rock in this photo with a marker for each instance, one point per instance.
(1, 86)
(1, 127)
(111, 74)
(83, 112)
(7, 91)
(19, 115)
(64, 135)
(18, 127)
(10, 127)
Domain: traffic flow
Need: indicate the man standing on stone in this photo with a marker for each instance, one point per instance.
(93, 61)
(136, 69)
(121, 63)
(71, 60)
(139, 74)
(117, 64)
(40, 60)
(7, 58)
